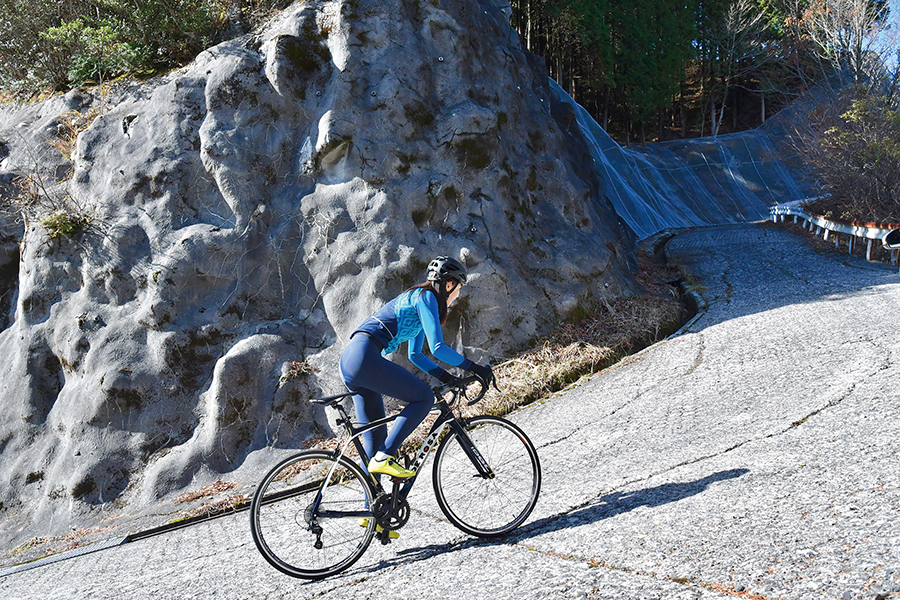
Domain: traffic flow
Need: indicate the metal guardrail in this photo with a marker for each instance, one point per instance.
(888, 235)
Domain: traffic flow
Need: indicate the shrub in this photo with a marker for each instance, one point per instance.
(853, 147)
(68, 42)
(95, 52)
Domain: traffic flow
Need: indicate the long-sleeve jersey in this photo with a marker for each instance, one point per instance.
(413, 316)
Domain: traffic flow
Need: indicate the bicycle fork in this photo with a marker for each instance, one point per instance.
(465, 442)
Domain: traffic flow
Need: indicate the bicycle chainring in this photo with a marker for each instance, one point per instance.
(387, 518)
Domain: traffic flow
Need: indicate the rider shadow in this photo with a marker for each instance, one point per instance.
(604, 507)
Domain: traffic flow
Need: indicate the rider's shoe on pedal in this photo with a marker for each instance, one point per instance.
(389, 466)
(391, 534)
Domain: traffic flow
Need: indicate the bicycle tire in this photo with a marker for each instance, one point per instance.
(487, 507)
(284, 525)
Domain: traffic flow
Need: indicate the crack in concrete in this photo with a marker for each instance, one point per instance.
(590, 425)
(593, 562)
(698, 360)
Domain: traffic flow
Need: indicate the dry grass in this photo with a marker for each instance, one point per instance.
(208, 509)
(70, 126)
(208, 491)
(46, 546)
(730, 591)
(610, 332)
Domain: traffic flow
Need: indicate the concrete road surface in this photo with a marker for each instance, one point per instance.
(754, 455)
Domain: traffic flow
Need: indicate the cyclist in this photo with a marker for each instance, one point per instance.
(414, 316)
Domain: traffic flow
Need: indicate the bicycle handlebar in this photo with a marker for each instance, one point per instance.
(459, 387)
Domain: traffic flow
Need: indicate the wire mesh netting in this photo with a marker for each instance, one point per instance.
(703, 181)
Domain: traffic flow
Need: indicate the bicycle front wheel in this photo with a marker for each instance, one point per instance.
(307, 512)
(487, 506)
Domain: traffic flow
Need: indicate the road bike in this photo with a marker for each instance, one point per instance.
(316, 512)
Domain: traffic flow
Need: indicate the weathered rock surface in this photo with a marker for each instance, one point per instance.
(248, 211)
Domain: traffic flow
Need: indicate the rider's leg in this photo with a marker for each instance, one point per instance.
(410, 418)
(363, 367)
(370, 407)
(395, 381)
(368, 403)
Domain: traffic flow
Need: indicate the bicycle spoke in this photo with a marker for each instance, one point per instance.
(306, 526)
(488, 506)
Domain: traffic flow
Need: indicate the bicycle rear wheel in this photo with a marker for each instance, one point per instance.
(480, 506)
(306, 513)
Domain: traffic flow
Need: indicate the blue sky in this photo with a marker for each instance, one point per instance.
(893, 35)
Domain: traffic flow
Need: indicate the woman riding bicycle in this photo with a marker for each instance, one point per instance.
(413, 316)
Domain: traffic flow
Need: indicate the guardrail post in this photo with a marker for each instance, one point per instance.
(888, 235)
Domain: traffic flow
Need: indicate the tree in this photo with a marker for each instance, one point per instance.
(60, 43)
(853, 145)
(652, 44)
(848, 33)
(740, 51)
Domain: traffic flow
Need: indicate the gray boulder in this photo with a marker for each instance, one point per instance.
(248, 211)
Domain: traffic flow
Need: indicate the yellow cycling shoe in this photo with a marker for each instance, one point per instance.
(391, 534)
(391, 467)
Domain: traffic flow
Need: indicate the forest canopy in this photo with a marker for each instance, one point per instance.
(646, 69)
(657, 69)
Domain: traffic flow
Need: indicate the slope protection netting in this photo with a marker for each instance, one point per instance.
(686, 183)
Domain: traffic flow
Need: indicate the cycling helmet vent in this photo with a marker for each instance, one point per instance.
(444, 268)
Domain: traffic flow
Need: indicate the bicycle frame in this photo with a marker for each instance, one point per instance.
(305, 511)
(445, 419)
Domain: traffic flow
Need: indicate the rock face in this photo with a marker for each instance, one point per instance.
(249, 210)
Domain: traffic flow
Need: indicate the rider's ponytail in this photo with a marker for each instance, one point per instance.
(440, 293)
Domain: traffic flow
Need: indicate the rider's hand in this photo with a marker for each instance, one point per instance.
(484, 373)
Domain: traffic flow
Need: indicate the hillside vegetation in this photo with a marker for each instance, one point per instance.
(64, 43)
(853, 145)
(653, 69)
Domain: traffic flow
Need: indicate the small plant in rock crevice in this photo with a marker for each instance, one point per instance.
(70, 126)
(64, 224)
(38, 196)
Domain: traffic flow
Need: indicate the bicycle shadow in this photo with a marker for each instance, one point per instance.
(599, 509)
(617, 503)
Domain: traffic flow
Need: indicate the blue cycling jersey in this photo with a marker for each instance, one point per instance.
(413, 317)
